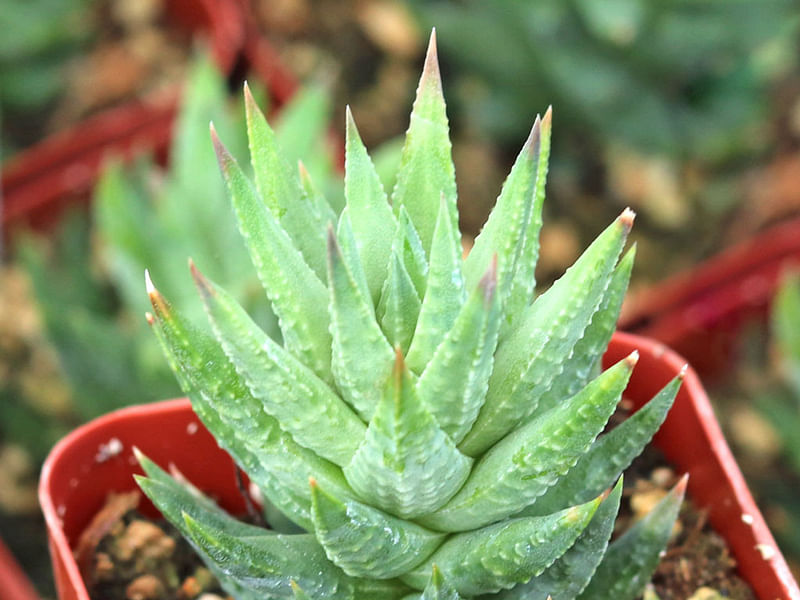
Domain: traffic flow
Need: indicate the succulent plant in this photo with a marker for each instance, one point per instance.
(427, 427)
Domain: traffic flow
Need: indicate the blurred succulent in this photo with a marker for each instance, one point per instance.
(39, 38)
(145, 216)
(690, 78)
(430, 429)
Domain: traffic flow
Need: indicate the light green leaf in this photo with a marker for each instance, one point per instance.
(262, 563)
(521, 467)
(373, 222)
(365, 542)
(502, 555)
(302, 403)
(273, 460)
(398, 309)
(295, 291)
(407, 244)
(588, 351)
(631, 559)
(524, 281)
(311, 191)
(611, 454)
(174, 499)
(571, 573)
(503, 235)
(281, 192)
(426, 171)
(453, 385)
(406, 465)
(444, 293)
(349, 247)
(361, 356)
(529, 359)
(438, 588)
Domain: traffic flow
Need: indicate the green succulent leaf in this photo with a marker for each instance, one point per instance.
(406, 465)
(174, 499)
(611, 454)
(631, 559)
(295, 291)
(313, 192)
(260, 563)
(398, 309)
(444, 293)
(438, 588)
(281, 192)
(530, 358)
(526, 462)
(349, 248)
(362, 356)
(299, 594)
(426, 171)
(504, 554)
(524, 281)
(373, 222)
(407, 244)
(453, 385)
(503, 234)
(278, 465)
(588, 351)
(366, 542)
(572, 572)
(302, 403)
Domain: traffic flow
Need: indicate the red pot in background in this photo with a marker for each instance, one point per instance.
(700, 312)
(74, 482)
(40, 181)
(14, 584)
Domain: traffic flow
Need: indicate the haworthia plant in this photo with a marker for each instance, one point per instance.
(434, 428)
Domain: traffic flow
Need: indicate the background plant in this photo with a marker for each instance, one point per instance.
(434, 431)
(87, 285)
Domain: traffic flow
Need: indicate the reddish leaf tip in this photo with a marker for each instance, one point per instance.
(313, 483)
(200, 281)
(547, 121)
(149, 318)
(632, 359)
(626, 218)
(680, 488)
(430, 71)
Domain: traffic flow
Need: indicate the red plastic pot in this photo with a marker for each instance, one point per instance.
(700, 312)
(40, 181)
(14, 584)
(74, 484)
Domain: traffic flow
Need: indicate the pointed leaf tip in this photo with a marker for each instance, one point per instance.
(547, 121)
(683, 371)
(313, 483)
(632, 358)
(160, 305)
(148, 283)
(200, 281)
(148, 316)
(626, 218)
(680, 487)
(431, 67)
(223, 156)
